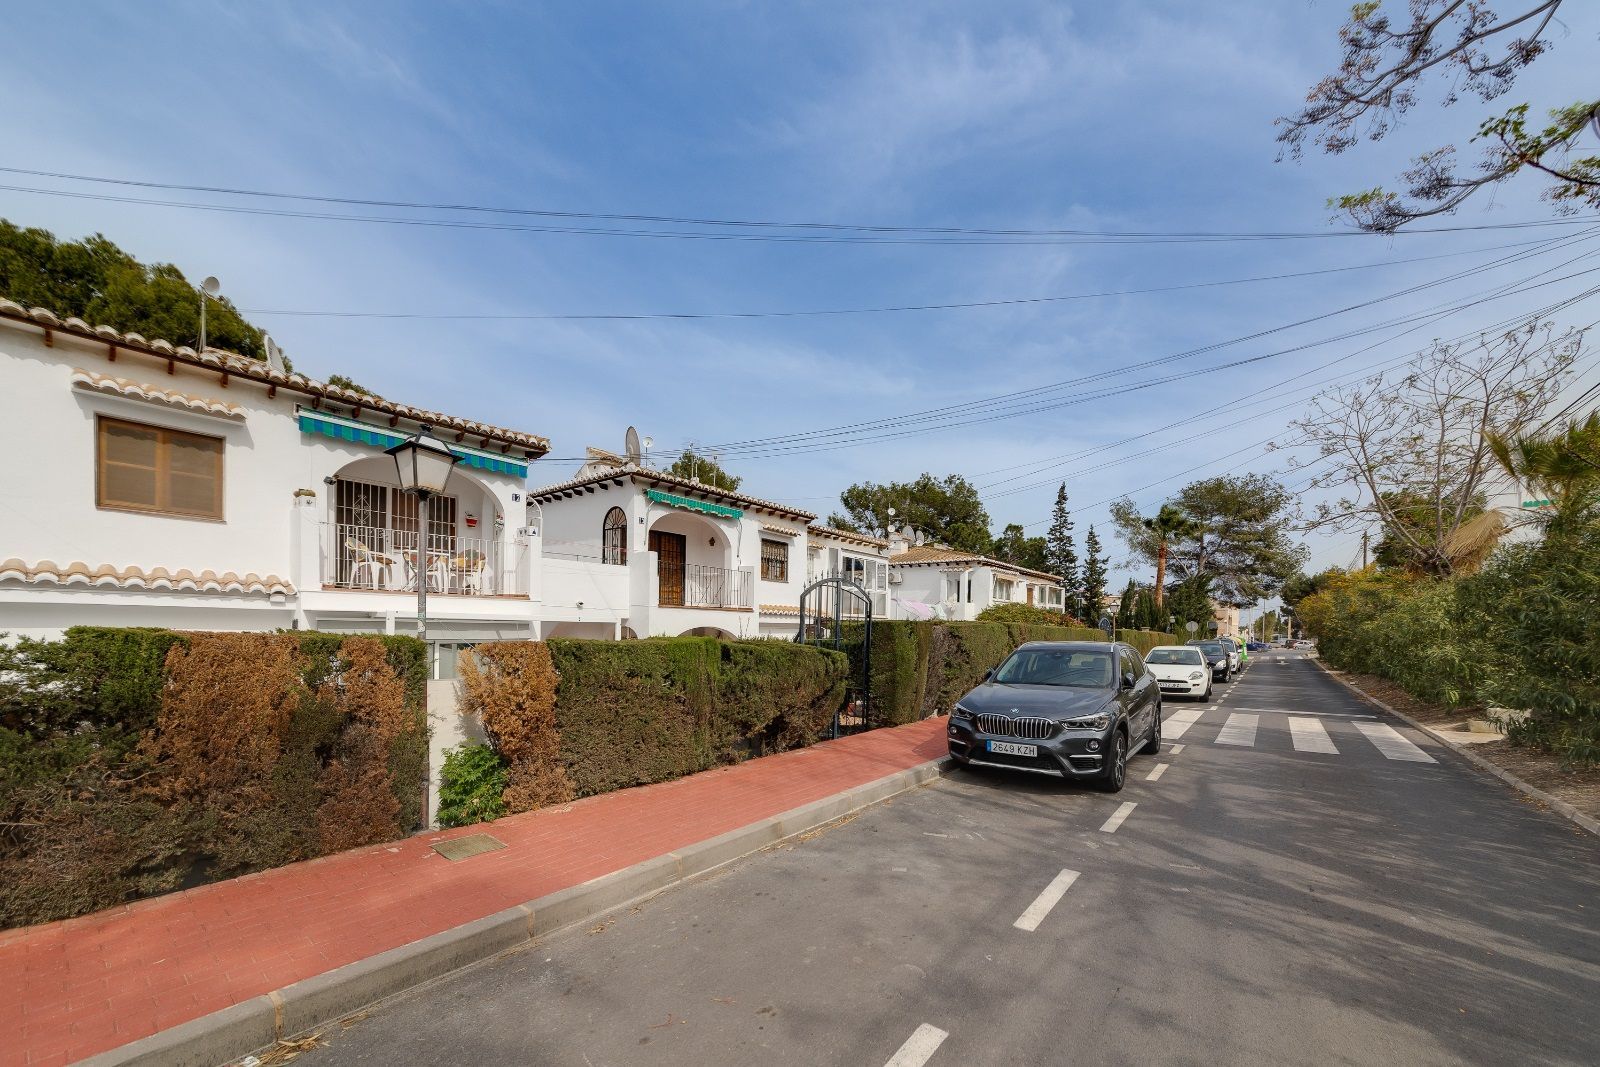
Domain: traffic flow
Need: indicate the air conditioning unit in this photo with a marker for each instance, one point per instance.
(895, 578)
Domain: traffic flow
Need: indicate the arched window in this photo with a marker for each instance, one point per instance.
(614, 537)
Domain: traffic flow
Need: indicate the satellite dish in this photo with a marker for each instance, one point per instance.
(211, 285)
(274, 354)
(632, 447)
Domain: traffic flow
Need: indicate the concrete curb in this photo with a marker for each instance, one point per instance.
(256, 1023)
(1561, 807)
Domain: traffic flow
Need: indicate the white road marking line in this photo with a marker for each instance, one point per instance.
(1029, 920)
(919, 1047)
(1313, 714)
(1160, 769)
(1118, 817)
(1174, 749)
(1240, 729)
(1177, 724)
(1309, 735)
(1391, 743)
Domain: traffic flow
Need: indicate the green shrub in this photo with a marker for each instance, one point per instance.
(1026, 613)
(633, 712)
(96, 677)
(970, 649)
(1537, 606)
(471, 785)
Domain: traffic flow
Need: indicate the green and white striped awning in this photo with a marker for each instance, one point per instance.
(343, 429)
(672, 500)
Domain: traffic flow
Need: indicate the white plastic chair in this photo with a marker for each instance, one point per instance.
(375, 564)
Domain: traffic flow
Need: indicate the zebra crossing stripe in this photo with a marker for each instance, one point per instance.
(1240, 729)
(1391, 743)
(1309, 735)
(1177, 724)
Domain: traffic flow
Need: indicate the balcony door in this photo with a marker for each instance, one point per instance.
(671, 555)
(361, 515)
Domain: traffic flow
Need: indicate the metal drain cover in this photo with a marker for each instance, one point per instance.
(460, 848)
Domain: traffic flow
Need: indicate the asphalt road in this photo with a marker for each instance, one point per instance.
(1265, 901)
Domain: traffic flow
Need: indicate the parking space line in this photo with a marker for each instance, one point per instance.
(1118, 817)
(1034, 915)
(1160, 769)
(1174, 749)
(919, 1047)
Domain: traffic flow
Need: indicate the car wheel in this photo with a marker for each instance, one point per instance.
(1116, 772)
(1153, 746)
(1206, 696)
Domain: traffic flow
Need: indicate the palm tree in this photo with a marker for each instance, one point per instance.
(1558, 466)
(1169, 524)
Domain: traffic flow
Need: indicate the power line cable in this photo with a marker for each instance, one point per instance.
(769, 224)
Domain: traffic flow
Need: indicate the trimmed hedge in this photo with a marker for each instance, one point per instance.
(922, 668)
(633, 712)
(134, 762)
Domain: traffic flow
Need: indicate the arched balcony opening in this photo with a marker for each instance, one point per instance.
(373, 536)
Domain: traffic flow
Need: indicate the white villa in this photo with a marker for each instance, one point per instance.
(630, 551)
(150, 485)
(947, 583)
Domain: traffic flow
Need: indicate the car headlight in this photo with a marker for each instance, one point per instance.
(1195, 676)
(961, 712)
(1089, 722)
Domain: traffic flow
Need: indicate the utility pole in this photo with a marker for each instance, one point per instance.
(1364, 536)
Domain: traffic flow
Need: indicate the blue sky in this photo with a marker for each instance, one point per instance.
(1135, 116)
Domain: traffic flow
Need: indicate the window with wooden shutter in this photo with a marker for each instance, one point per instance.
(774, 561)
(154, 469)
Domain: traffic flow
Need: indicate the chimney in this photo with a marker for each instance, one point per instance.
(898, 541)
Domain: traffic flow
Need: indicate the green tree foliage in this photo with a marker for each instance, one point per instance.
(1094, 578)
(1563, 466)
(1168, 525)
(1061, 556)
(98, 282)
(1537, 602)
(946, 509)
(345, 383)
(690, 464)
(1189, 601)
(1234, 530)
(1465, 49)
(1130, 597)
(1014, 546)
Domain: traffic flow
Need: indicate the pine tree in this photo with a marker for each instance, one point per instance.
(1094, 577)
(1060, 555)
(1129, 604)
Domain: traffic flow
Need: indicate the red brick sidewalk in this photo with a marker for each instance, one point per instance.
(82, 986)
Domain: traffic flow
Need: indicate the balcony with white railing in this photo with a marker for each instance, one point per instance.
(379, 559)
(699, 585)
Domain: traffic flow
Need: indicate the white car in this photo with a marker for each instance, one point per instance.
(1181, 670)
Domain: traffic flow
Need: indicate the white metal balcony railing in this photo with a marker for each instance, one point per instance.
(373, 557)
(707, 587)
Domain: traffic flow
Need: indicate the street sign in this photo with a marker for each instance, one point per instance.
(1105, 624)
(1191, 626)
(1537, 504)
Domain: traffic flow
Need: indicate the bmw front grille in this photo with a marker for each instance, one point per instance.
(1027, 727)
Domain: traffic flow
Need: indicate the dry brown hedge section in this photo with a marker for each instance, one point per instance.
(135, 762)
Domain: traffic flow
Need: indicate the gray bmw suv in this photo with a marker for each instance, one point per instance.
(1070, 708)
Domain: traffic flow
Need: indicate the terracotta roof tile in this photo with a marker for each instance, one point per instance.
(258, 370)
(159, 579)
(105, 383)
(638, 473)
(922, 554)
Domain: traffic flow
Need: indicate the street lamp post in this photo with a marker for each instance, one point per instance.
(423, 463)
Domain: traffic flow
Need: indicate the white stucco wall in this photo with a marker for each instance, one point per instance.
(48, 509)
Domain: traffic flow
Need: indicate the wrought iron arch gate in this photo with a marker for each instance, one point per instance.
(826, 605)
